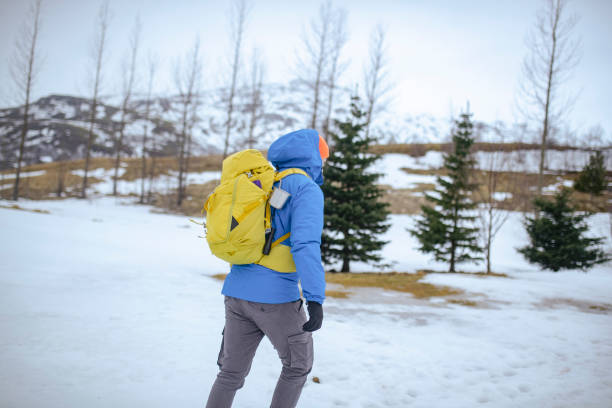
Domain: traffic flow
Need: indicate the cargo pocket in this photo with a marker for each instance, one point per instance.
(300, 350)
(220, 357)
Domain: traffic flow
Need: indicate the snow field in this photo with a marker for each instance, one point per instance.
(105, 304)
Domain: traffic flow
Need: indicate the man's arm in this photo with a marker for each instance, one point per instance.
(306, 229)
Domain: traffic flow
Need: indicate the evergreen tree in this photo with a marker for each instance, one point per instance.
(444, 228)
(592, 179)
(354, 214)
(556, 236)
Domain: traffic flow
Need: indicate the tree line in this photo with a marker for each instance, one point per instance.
(318, 69)
(461, 217)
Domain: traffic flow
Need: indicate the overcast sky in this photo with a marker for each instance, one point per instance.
(442, 52)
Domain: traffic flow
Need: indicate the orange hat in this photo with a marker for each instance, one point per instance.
(323, 148)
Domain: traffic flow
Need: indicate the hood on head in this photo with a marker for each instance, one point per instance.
(298, 149)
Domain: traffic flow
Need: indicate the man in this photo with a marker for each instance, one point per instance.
(262, 301)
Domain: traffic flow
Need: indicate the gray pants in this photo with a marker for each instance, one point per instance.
(245, 325)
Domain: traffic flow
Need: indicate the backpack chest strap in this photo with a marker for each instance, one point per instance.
(282, 174)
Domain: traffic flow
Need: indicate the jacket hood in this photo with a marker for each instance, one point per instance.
(298, 149)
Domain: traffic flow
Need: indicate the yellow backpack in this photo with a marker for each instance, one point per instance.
(238, 213)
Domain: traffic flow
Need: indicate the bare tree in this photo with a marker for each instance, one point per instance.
(376, 76)
(128, 71)
(193, 121)
(152, 167)
(61, 168)
(594, 138)
(24, 66)
(152, 68)
(495, 188)
(255, 104)
(311, 66)
(338, 38)
(237, 18)
(552, 55)
(98, 47)
(187, 78)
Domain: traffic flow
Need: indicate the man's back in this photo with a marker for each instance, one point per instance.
(302, 217)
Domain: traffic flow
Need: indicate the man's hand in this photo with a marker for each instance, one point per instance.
(315, 311)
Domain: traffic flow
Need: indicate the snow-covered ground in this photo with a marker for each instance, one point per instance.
(519, 160)
(103, 303)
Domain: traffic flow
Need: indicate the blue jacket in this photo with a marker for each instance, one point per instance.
(302, 215)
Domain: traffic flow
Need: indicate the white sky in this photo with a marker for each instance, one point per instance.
(442, 52)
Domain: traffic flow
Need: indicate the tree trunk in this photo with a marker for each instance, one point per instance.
(143, 162)
(24, 131)
(345, 264)
(118, 147)
(89, 143)
(151, 171)
(453, 243)
(181, 161)
(551, 70)
(330, 100)
(61, 172)
(488, 249)
(99, 51)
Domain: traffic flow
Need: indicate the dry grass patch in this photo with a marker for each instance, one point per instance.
(58, 177)
(463, 302)
(583, 306)
(338, 294)
(419, 149)
(219, 276)
(166, 165)
(16, 207)
(412, 149)
(401, 282)
(484, 274)
(403, 201)
(191, 206)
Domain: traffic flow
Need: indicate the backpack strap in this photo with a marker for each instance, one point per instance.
(282, 174)
(281, 239)
(265, 260)
(277, 177)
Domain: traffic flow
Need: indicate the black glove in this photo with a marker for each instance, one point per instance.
(315, 311)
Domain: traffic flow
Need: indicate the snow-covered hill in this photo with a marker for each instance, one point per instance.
(59, 124)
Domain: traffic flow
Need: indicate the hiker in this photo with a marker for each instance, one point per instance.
(260, 300)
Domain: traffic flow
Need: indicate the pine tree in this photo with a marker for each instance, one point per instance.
(444, 228)
(354, 214)
(592, 178)
(556, 236)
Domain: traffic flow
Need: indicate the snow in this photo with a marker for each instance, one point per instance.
(556, 186)
(61, 107)
(103, 303)
(24, 174)
(199, 178)
(391, 165)
(501, 195)
(7, 180)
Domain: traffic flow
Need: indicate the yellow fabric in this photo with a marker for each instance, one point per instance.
(238, 198)
(280, 259)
